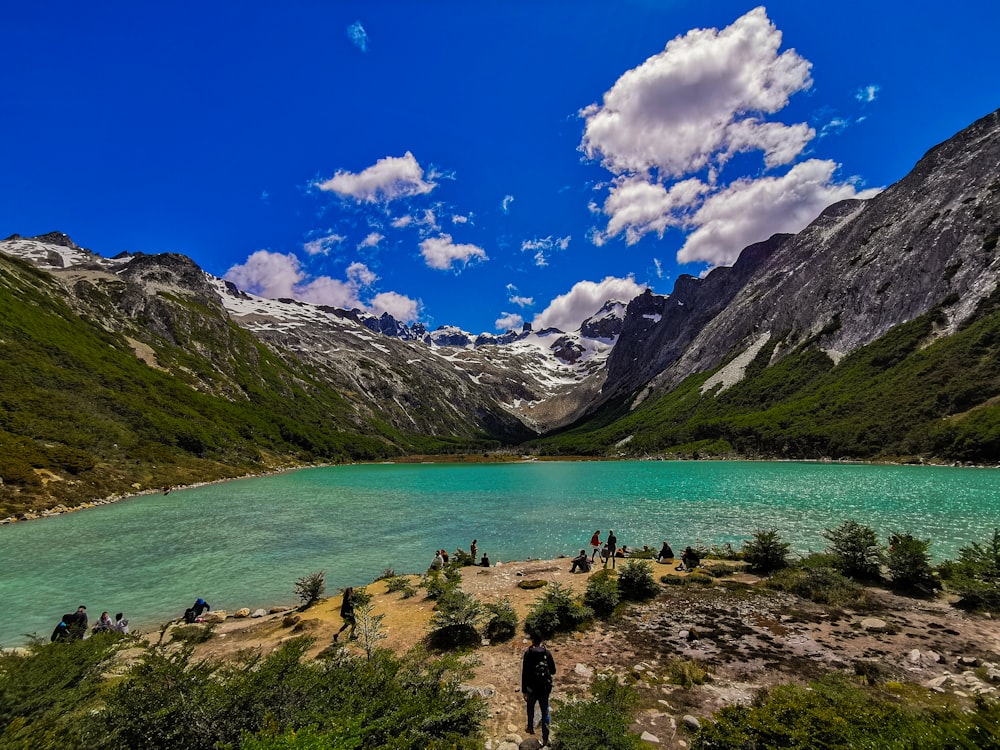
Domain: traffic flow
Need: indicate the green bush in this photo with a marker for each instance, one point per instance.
(310, 588)
(857, 550)
(686, 673)
(395, 583)
(765, 553)
(501, 623)
(976, 575)
(602, 593)
(600, 723)
(436, 584)
(820, 585)
(909, 564)
(556, 610)
(455, 619)
(636, 581)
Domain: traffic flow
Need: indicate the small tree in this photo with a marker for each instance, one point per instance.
(501, 624)
(455, 619)
(368, 630)
(765, 553)
(601, 723)
(909, 564)
(310, 588)
(557, 609)
(602, 593)
(856, 549)
(636, 581)
(976, 575)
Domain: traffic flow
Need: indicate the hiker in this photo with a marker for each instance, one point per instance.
(103, 624)
(580, 562)
(201, 606)
(665, 553)
(605, 554)
(121, 624)
(61, 633)
(76, 623)
(612, 548)
(473, 549)
(537, 668)
(347, 614)
(690, 559)
(595, 542)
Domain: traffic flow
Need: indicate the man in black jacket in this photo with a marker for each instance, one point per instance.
(537, 668)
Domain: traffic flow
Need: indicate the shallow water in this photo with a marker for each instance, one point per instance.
(245, 542)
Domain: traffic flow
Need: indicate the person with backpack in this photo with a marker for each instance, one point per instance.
(537, 668)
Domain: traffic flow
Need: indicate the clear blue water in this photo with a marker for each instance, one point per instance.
(245, 542)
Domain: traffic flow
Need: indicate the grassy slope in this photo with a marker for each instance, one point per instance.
(894, 397)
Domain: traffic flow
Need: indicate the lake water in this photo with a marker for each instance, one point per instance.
(245, 542)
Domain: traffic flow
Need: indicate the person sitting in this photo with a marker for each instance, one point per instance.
(581, 563)
(444, 556)
(485, 562)
(690, 559)
(666, 553)
(103, 624)
(438, 563)
(622, 551)
(121, 624)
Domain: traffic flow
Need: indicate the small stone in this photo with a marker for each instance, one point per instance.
(258, 613)
(993, 675)
(639, 668)
(936, 682)
(874, 625)
(275, 610)
(968, 661)
(530, 743)
(505, 745)
(290, 620)
(583, 670)
(652, 738)
(933, 656)
(914, 656)
(684, 634)
(691, 722)
(511, 728)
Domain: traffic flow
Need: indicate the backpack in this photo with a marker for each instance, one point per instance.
(190, 616)
(540, 675)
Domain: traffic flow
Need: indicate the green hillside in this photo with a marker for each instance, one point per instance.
(899, 397)
(81, 417)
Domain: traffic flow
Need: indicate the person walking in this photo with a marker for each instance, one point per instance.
(537, 668)
(595, 542)
(612, 546)
(347, 614)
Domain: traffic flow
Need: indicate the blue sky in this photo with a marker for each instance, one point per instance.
(477, 164)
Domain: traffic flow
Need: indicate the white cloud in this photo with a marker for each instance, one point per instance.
(697, 100)
(358, 36)
(324, 290)
(749, 211)
(323, 245)
(867, 94)
(441, 253)
(568, 311)
(388, 179)
(506, 321)
(372, 240)
(543, 246)
(402, 222)
(659, 268)
(638, 207)
(835, 126)
(505, 203)
(361, 275)
(517, 299)
(459, 219)
(397, 305)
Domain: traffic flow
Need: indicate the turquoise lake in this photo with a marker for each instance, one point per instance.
(245, 542)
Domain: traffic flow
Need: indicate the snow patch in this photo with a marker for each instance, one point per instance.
(733, 372)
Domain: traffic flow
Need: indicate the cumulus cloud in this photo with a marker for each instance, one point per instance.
(372, 240)
(506, 321)
(323, 245)
(358, 36)
(277, 275)
(867, 94)
(505, 203)
(753, 210)
(669, 128)
(543, 246)
(568, 311)
(388, 179)
(442, 253)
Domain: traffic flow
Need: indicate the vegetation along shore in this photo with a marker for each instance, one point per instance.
(865, 644)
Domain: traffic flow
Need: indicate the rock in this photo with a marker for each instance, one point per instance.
(242, 612)
(531, 743)
(874, 625)
(275, 610)
(968, 661)
(215, 616)
(933, 656)
(583, 670)
(511, 728)
(993, 675)
(290, 620)
(651, 738)
(936, 682)
(691, 722)
(914, 656)
(505, 745)
(258, 613)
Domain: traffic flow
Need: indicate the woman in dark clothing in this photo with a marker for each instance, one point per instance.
(347, 614)
(666, 553)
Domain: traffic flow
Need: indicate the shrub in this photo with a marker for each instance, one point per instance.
(600, 723)
(636, 581)
(686, 673)
(909, 564)
(455, 619)
(501, 624)
(556, 610)
(311, 588)
(765, 553)
(401, 584)
(857, 550)
(820, 585)
(602, 593)
(976, 575)
(436, 584)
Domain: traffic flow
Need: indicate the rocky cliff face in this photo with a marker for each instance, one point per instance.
(860, 269)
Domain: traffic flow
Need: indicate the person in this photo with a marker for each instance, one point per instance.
(103, 624)
(201, 606)
(473, 549)
(438, 560)
(485, 562)
(690, 559)
(444, 556)
(580, 562)
(537, 668)
(665, 553)
(121, 624)
(605, 553)
(623, 552)
(595, 542)
(76, 623)
(61, 633)
(612, 546)
(347, 614)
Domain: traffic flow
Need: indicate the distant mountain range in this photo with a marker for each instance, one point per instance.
(873, 333)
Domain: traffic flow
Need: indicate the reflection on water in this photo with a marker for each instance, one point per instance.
(243, 543)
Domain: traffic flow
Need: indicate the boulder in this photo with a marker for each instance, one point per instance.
(242, 612)
(691, 722)
(258, 613)
(583, 670)
(530, 743)
(874, 625)
(290, 620)
(650, 738)
(216, 616)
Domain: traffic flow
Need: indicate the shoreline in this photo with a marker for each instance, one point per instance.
(61, 509)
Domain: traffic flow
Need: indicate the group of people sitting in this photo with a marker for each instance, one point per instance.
(73, 626)
(690, 559)
(441, 557)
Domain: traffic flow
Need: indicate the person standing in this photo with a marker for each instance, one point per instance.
(595, 543)
(612, 546)
(77, 623)
(347, 614)
(537, 668)
(473, 549)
